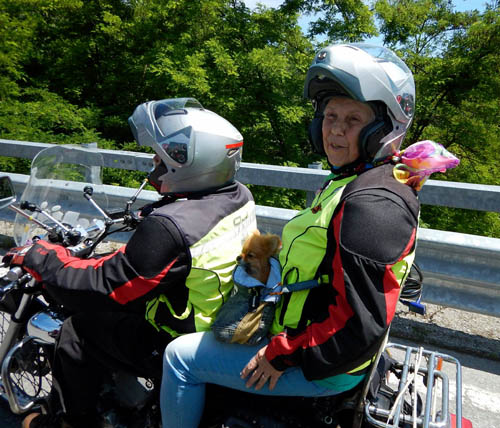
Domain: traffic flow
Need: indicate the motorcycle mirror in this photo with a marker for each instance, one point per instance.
(7, 194)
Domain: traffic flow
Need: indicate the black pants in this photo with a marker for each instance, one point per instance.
(91, 345)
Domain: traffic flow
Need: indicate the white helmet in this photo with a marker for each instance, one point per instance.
(200, 150)
(370, 74)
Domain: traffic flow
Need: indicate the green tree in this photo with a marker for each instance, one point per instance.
(73, 71)
(455, 60)
(16, 46)
(337, 20)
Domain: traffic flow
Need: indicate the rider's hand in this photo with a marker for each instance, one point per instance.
(260, 371)
(15, 256)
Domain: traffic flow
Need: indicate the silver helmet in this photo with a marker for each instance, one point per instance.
(199, 149)
(370, 74)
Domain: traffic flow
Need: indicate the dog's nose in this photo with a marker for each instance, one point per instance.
(238, 259)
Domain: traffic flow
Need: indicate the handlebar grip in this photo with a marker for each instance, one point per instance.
(28, 206)
(14, 274)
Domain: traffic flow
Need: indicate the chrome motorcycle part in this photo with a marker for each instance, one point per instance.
(12, 275)
(15, 328)
(26, 374)
(45, 326)
(418, 372)
(28, 206)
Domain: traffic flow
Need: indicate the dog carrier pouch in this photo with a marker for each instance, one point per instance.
(249, 312)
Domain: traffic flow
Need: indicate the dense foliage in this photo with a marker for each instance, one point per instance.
(73, 71)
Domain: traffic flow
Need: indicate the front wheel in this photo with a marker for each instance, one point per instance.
(26, 374)
(4, 325)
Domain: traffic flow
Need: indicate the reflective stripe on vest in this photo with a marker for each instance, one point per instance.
(210, 278)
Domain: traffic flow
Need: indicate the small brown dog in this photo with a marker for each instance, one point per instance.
(255, 254)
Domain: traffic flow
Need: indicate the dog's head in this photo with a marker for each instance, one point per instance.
(257, 249)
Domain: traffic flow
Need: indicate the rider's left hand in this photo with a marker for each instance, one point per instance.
(260, 371)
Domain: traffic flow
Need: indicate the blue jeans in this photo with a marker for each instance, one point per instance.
(193, 360)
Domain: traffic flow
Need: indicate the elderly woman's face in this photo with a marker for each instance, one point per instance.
(344, 118)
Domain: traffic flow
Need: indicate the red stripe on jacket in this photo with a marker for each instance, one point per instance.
(391, 285)
(125, 293)
(318, 333)
(64, 255)
(342, 312)
(139, 286)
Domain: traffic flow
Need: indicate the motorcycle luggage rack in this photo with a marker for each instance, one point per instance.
(431, 377)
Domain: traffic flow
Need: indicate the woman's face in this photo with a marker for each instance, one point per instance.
(344, 118)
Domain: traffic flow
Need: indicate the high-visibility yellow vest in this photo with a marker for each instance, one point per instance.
(213, 255)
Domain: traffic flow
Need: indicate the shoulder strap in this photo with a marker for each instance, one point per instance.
(302, 285)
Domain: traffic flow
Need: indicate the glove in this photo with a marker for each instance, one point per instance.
(15, 256)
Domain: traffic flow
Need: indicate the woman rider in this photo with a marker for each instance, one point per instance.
(358, 237)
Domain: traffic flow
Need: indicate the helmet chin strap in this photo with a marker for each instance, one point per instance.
(353, 168)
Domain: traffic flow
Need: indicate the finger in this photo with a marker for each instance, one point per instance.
(261, 382)
(274, 380)
(249, 368)
(253, 378)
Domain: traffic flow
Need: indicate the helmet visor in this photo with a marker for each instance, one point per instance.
(176, 148)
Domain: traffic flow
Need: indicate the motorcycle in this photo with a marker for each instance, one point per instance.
(405, 387)
(29, 318)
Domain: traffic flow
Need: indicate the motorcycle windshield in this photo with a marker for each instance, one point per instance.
(58, 177)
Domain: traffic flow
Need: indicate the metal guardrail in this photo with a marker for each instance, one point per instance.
(460, 271)
(442, 193)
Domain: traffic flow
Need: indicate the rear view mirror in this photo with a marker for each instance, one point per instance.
(7, 194)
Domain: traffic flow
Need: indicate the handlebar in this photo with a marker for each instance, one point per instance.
(82, 241)
(25, 205)
(18, 279)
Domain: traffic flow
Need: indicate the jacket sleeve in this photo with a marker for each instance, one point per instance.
(140, 268)
(368, 235)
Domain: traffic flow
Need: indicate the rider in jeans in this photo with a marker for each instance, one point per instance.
(171, 277)
(357, 240)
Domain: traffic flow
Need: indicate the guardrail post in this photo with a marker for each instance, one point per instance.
(95, 170)
(310, 195)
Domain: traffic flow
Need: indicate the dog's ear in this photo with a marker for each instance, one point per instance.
(275, 243)
(250, 240)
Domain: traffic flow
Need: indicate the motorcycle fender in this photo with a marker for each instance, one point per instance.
(465, 422)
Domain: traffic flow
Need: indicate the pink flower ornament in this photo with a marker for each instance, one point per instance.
(418, 161)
